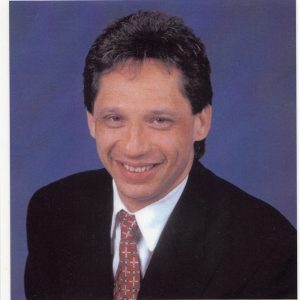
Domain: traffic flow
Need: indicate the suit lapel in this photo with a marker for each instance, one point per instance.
(100, 234)
(179, 266)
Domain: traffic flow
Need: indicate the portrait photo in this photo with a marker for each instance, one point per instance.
(190, 109)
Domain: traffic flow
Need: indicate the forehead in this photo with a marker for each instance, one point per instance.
(150, 81)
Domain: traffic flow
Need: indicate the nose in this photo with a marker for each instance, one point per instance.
(136, 143)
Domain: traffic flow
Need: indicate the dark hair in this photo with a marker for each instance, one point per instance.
(149, 34)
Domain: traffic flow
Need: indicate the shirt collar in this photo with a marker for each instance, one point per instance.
(152, 218)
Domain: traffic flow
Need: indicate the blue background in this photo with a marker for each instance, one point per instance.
(251, 46)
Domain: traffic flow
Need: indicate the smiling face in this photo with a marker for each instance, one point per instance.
(145, 130)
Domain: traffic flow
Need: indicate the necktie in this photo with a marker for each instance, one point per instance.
(127, 282)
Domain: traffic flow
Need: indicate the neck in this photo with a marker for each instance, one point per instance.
(134, 205)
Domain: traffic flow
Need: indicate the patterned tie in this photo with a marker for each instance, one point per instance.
(127, 281)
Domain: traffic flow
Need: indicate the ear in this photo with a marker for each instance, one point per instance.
(91, 123)
(202, 123)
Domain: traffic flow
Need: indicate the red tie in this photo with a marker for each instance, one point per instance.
(127, 281)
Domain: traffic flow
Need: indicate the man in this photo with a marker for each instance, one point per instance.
(155, 223)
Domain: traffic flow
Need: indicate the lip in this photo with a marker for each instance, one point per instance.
(137, 172)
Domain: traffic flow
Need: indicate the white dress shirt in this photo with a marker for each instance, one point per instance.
(151, 221)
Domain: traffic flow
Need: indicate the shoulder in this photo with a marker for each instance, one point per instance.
(83, 182)
(75, 192)
(244, 214)
(78, 181)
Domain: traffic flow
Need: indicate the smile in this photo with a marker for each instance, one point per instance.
(140, 169)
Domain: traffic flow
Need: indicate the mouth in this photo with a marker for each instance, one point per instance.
(137, 172)
(139, 169)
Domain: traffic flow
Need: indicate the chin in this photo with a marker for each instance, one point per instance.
(138, 197)
(135, 195)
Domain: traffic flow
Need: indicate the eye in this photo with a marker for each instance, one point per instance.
(113, 120)
(162, 122)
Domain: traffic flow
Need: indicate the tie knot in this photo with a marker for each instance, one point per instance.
(129, 226)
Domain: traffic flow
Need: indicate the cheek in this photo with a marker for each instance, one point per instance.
(181, 136)
(174, 143)
(105, 140)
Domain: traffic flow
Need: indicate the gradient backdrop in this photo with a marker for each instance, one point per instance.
(251, 46)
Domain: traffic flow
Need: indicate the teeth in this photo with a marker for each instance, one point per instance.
(138, 169)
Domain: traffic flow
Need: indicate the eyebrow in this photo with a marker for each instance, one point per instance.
(113, 110)
(163, 112)
(117, 110)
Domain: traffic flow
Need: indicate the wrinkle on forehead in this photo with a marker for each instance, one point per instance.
(131, 68)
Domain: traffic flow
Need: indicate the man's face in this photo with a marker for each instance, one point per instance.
(145, 131)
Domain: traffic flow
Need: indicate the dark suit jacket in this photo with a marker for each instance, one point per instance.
(218, 243)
